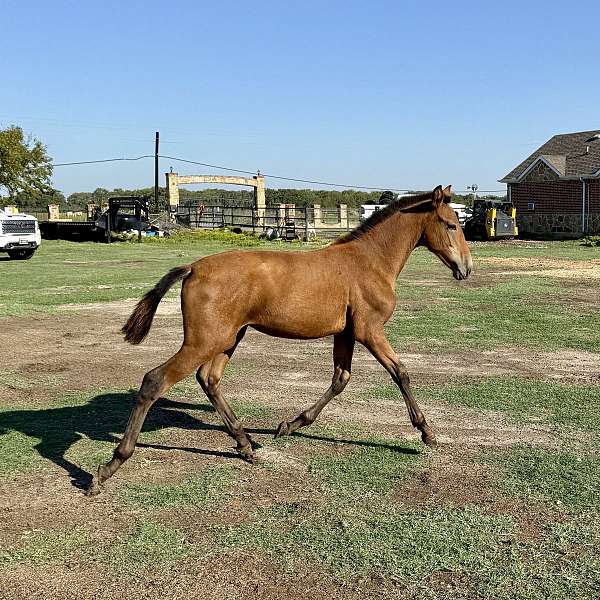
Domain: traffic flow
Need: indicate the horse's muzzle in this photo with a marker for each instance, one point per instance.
(461, 272)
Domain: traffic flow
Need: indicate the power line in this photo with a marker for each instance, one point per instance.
(344, 185)
(105, 160)
(245, 172)
(362, 187)
(194, 162)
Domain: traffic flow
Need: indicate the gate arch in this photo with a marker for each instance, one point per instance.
(257, 183)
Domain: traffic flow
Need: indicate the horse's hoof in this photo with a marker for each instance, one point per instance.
(283, 429)
(93, 489)
(247, 454)
(429, 439)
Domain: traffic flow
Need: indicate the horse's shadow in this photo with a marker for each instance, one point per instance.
(104, 418)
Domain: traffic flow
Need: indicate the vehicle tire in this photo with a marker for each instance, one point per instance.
(23, 254)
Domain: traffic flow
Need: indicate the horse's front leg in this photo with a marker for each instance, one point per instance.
(380, 348)
(343, 347)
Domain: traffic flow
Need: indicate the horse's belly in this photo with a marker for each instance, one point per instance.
(302, 325)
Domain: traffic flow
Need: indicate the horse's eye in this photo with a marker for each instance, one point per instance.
(451, 226)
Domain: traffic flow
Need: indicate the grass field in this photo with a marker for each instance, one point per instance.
(506, 366)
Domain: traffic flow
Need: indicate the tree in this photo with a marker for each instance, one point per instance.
(25, 167)
(39, 201)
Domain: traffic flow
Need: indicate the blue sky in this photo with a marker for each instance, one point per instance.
(383, 94)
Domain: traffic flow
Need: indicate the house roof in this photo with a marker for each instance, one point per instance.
(570, 155)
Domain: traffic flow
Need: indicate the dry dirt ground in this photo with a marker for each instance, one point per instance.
(547, 267)
(80, 349)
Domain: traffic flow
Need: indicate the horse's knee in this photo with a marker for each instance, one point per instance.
(151, 385)
(401, 375)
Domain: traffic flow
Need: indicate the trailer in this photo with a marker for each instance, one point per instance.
(124, 213)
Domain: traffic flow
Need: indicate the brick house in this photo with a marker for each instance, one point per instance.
(556, 190)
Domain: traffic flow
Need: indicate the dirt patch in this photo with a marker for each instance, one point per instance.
(545, 267)
(539, 262)
(235, 577)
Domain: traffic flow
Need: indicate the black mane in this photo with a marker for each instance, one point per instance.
(403, 203)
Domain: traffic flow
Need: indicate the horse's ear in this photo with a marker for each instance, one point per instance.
(437, 196)
(447, 191)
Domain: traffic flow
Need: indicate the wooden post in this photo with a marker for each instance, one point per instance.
(53, 212)
(306, 223)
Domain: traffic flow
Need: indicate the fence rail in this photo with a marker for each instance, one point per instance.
(284, 221)
(289, 222)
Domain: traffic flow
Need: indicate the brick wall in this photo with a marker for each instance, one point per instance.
(549, 197)
(593, 187)
(557, 207)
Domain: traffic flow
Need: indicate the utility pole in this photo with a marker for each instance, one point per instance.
(156, 172)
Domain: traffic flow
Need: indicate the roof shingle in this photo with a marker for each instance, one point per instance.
(571, 154)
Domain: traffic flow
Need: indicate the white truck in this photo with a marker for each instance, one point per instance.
(462, 211)
(19, 235)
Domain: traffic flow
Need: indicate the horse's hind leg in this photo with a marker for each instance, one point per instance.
(155, 383)
(381, 349)
(343, 347)
(209, 377)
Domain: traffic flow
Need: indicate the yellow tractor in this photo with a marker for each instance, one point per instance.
(492, 219)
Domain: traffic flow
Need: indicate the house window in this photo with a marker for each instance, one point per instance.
(530, 205)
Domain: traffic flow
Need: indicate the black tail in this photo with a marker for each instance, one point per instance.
(138, 324)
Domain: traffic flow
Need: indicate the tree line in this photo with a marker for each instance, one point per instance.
(274, 197)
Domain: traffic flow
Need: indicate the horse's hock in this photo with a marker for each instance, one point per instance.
(257, 183)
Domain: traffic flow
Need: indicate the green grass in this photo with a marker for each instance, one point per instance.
(353, 525)
(353, 542)
(535, 312)
(522, 400)
(150, 546)
(15, 381)
(44, 547)
(201, 490)
(373, 470)
(247, 409)
(558, 477)
(484, 312)
(563, 563)
(17, 454)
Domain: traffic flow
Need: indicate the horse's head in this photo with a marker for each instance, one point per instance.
(443, 235)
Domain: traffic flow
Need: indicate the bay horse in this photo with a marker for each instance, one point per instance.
(346, 290)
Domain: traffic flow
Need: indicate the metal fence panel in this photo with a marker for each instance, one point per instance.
(290, 222)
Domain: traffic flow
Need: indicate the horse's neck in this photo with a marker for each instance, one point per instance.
(390, 243)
